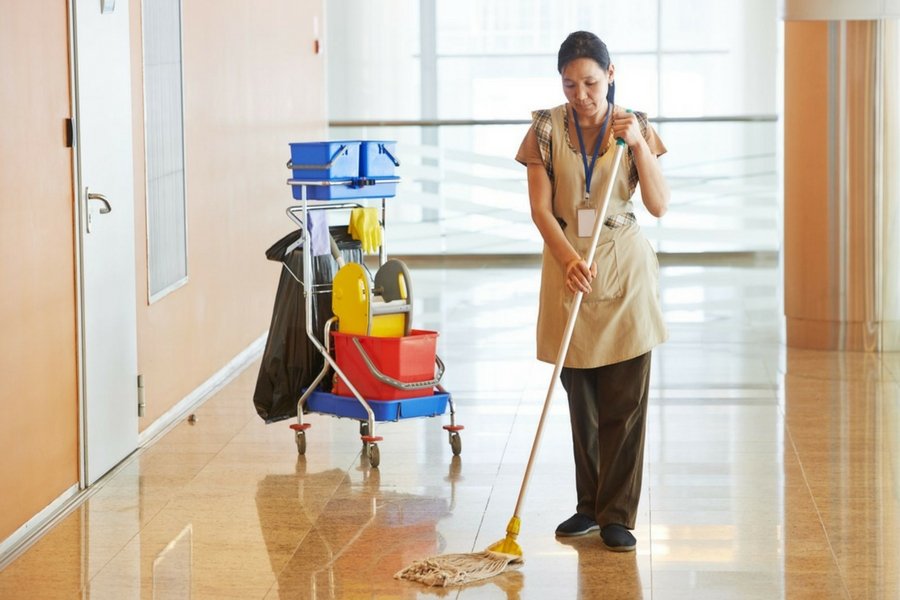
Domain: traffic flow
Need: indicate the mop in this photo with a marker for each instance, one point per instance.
(458, 569)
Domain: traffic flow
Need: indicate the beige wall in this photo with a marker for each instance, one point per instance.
(252, 85)
(38, 406)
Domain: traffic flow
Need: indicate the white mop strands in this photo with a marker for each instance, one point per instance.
(458, 569)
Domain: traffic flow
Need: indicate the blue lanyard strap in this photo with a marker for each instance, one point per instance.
(589, 171)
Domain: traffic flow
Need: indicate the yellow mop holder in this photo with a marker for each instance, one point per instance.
(385, 310)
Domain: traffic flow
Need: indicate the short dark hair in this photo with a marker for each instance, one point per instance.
(582, 44)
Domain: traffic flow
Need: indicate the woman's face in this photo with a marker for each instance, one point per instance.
(585, 85)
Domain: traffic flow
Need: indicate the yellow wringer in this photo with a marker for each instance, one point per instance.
(385, 310)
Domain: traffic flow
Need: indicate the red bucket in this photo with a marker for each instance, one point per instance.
(408, 359)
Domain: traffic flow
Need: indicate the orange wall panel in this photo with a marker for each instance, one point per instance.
(252, 84)
(38, 363)
(806, 148)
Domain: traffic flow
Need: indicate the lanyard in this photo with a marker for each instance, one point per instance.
(589, 171)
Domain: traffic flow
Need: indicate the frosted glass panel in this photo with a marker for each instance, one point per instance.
(164, 128)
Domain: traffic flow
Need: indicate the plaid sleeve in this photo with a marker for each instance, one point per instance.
(631, 167)
(541, 128)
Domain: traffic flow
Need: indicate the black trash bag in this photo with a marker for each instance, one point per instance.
(290, 362)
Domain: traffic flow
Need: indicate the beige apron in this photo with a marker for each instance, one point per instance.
(621, 317)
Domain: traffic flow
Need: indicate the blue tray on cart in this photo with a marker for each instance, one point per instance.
(384, 410)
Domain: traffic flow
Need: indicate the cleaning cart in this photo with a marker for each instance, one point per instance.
(383, 369)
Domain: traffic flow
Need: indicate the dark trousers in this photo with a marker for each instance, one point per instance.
(608, 411)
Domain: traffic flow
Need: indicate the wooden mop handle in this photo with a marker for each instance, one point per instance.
(570, 324)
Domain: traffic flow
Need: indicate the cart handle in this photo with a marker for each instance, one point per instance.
(384, 149)
(400, 385)
(291, 165)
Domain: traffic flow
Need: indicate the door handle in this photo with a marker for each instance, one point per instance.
(106, 208)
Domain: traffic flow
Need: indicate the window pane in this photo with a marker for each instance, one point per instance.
(539, 26)
(373, 57)
(697, 24)
(462, 192)
(697, 84)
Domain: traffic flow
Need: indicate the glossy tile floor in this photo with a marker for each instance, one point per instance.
(771, 473)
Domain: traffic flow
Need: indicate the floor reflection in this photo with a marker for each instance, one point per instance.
(841, 413)
(603, 574)
(173, 567)
(361, 537)
(771, 473)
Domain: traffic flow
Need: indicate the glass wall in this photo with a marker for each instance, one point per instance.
(455, 81)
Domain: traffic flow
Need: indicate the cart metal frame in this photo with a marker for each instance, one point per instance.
(368, 417)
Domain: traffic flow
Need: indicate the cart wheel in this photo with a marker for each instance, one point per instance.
(455, 443)
(374, 454)
(300, 438)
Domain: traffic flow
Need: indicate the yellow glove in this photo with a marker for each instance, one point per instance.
(365, 228)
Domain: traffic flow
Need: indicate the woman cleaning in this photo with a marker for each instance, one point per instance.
(606, 373)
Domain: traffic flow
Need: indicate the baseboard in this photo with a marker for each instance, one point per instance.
(11, 547)
(205, 390)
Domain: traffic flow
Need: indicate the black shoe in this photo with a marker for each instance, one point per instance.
(617, 538)
(577, 524)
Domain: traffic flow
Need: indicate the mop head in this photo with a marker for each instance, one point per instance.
(458, 569)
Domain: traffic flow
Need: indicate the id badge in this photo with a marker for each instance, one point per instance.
(586, 218)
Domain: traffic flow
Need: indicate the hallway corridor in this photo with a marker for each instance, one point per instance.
(770, 472)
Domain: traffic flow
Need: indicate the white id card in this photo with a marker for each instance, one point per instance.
(586, 218)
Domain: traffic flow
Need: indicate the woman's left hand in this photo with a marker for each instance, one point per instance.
(625, 126)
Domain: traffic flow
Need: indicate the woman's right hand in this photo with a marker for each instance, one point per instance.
(579, 277)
